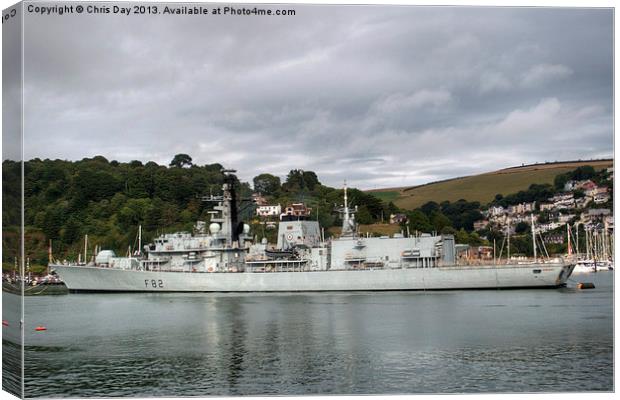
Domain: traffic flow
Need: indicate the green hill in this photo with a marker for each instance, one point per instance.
(483, 187)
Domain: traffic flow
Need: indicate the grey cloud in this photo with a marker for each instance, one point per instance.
(381, 96)
(542, 73)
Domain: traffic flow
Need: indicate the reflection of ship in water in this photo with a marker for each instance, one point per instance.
(238, 336)
(224, 257)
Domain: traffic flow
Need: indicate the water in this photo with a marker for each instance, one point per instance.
(321, 343)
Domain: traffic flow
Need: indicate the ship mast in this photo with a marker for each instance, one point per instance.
(227, 206)
(85, 249)
(346, 203)
(348, 219)
(139, 240)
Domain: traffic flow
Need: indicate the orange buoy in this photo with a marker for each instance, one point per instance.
(5, 322)
(585, 285)
(40, 328)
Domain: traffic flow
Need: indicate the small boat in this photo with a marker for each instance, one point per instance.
(588, 266)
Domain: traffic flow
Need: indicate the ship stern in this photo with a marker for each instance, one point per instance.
(565, 272)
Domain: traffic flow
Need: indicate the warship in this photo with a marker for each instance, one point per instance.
(224, 257)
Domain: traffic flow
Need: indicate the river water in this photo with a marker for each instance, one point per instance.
(320, 343)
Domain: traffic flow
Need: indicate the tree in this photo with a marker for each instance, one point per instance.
(266, 184)
(181, 160)
(579, 194)
(363, 215)
(440, 221)
(429, 208)
(418, 221)
(71, 232)
(584, 172)
(298, 179)
(392, 209)
(559, 181)
(522, 227)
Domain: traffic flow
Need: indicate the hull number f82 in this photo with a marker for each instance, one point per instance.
(153, 283)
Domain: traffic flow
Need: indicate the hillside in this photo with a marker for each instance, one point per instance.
(483, 187)
(108, 200)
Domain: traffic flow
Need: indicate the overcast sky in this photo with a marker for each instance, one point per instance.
(380, 96)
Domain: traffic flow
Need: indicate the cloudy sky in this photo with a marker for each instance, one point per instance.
(381, 96)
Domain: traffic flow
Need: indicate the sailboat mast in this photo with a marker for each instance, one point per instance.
(508, 254)
(533, 235)
(569, 248)
(577, 240)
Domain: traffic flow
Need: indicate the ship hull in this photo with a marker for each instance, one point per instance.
(101, 279)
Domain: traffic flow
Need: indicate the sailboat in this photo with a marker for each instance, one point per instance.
(598, 256)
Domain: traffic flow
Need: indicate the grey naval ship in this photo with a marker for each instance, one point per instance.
(223, 257)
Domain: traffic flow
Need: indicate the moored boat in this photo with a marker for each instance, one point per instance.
(224, 258)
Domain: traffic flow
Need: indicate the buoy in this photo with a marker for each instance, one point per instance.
(40, 328)
(5, 322)
(585, 285)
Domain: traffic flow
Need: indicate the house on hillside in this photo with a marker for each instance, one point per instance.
(582, 202)
(595, 215)
(398, 218)
(565, 218)
(570, 186)
(296, 210)
(586, 185)
(522, 208)
(496, 210)
(547, 206)
(555, 238)
(269, 211)
(258, 199)
(601, 198)
(548, 226)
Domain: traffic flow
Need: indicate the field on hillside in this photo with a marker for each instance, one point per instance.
(484, 187)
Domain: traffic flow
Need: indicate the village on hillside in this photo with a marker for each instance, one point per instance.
(582, 204)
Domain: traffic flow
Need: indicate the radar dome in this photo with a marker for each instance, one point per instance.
(103, 257)
(214, 228)
(246, 229)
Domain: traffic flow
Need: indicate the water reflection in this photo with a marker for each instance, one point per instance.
(325, 343)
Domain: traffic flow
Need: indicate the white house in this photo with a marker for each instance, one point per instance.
(268, 211)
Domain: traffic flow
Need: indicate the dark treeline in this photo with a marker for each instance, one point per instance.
(108, 200)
